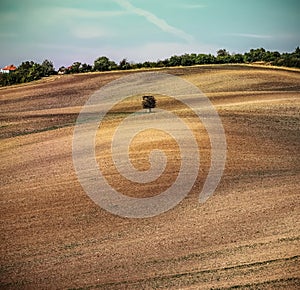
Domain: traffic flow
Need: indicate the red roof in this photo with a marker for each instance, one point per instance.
(10, 67)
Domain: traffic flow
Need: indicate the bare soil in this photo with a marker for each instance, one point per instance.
(245, 236)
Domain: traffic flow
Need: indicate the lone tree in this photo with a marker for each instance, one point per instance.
(149, 102)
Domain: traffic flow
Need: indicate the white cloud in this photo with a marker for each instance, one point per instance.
(89, 32)
(82, 13)
(160, 23)
(250, 35)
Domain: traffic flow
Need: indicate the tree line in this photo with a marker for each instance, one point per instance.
(30, 71)
(26, 72)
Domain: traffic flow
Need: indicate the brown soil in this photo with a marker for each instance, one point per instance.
(245, 236)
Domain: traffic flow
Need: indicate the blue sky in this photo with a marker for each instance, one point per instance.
(66, 31)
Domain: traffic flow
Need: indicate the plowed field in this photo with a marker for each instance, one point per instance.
(53, 236)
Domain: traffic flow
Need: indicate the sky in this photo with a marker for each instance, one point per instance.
(65, 31)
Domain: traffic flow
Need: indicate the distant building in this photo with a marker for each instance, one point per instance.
(62, 70)
(8, 68)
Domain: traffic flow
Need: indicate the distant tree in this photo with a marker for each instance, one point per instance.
(222, 52)
(150, 64)
(102, 64)
(149, 102)
(112, 65)
(223, 56)
(48, 68)
(166, 62)
(28, 71)
(205, 59)
(289, 59)
(237, 58)
(187, 60)
(255, 55)
(7, 79)
(124, 64)
(75, 67)
(36, 72)
(162, 63)
(137, 65)
(85, 68)
(175, 60)
(200, 59)
(147, 64)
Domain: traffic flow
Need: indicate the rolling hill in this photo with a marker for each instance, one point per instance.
(245, 236)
